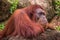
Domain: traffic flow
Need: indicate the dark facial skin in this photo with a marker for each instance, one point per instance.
(41, 16)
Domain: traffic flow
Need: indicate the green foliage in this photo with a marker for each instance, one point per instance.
(58, 28)
(57, 7)
(1, 26)
(13, 5)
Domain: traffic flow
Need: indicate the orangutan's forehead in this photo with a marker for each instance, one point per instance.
(39, 10)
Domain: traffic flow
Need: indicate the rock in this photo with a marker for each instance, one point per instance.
(4, 9)
(47, 35)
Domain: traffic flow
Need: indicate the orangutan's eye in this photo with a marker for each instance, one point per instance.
(41, 13)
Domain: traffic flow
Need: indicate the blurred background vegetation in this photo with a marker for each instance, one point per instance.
(57, 10)
(57, 7)
(13, 6)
